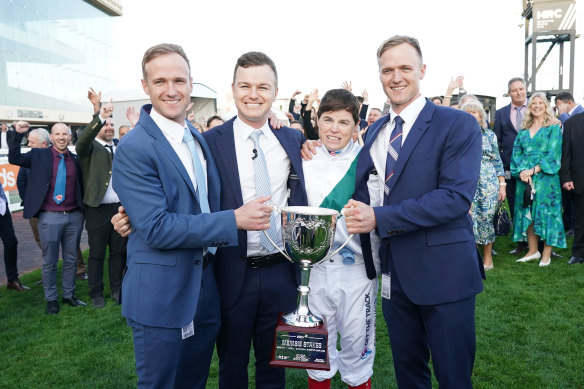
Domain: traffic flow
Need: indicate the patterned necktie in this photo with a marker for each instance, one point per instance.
(262, 184)
(59, 193)
(518, 119)
(393, 149)
(200, 177)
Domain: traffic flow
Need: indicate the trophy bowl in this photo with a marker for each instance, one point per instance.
(308, 234)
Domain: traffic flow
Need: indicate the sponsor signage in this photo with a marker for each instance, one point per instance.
(554, 16)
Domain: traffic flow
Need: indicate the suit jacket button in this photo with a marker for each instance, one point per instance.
(198, 262)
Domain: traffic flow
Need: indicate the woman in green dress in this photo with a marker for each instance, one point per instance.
(491, 186)
(536, 161)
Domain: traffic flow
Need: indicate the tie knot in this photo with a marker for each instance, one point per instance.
(187, 136)
(398, 121)
(62, 155)
(255, 136)
(518, 109)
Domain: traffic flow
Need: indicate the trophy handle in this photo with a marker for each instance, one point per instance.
(278, 210)
(343, 245)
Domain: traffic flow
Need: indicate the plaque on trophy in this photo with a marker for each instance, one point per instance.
(301, 339)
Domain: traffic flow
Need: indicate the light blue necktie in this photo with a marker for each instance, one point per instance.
(59, 193)
(518, 119)
(262, 184)
(200, 177)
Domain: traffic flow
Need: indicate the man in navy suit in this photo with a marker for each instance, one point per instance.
(431, 270)
(166, 178)
(54, 195)
(255, 281)
(507, 124)
(566, 106)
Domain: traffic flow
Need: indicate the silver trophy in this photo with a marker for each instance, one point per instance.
(308, 234)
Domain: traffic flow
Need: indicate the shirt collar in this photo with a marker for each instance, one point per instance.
(104, 143)
(573, 109)
(518, 106)
(338, 153)
(410, 113)
(169, 127)
(244, 130)
(56, 153)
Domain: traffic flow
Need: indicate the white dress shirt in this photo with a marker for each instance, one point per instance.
(174, 134)
(110, 196)
(278, 169)
(379, 148)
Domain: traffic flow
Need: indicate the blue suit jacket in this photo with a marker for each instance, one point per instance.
(230, 264)
(424, 224)
(506, 134)
(165, 250)
(40, 163)
(565, 116)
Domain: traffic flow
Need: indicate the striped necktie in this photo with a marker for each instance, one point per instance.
(393, 149)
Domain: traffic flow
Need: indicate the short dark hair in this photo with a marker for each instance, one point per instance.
(397, 40)
(515, 79)
(297, 122)
(123, 126)
(565, 96)
(437, 98)
(162, 49)
(339, 100)
(255, 58)
(360, 99)
(214, 117)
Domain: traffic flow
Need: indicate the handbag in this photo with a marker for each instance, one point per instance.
(501, 221)
(528, 196)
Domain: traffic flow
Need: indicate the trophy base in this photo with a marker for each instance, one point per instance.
(300, 347)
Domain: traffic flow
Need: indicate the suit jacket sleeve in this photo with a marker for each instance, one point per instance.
(163, 215)
(15, 157)
(84, 143)
(498, 130)
(566, 165)
(459, 168)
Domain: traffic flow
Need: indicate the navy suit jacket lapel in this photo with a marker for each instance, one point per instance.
(416, 132)
(164, 147)
(292, 152)
(227, 158)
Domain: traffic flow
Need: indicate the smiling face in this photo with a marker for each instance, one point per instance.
(373, 116)
(537, 107)
(169, 85)
(336, 128)
(254, 91)
(106, 133)
(60, 137)
(400, 72)
(517, 93)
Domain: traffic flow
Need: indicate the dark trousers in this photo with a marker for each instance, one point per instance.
(252, 321)
(568, 214)
(578, 246)
(446, 331)
(100, 235)
(10, 246)
(165, 360)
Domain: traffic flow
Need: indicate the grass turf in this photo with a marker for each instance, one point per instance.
(529, 335)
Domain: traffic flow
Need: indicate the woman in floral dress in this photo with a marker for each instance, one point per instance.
(491, 186)
(536, 161)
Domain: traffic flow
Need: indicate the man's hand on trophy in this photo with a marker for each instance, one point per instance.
(255, 215)
(360, 217)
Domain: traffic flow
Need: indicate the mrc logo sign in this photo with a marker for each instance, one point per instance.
(554, 16)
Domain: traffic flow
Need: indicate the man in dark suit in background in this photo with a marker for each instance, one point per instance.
(431, 270)
(572, 178)
(55, 196)
(255, 281)
(165, 176)
(96, 149)
(507, 124)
